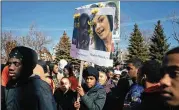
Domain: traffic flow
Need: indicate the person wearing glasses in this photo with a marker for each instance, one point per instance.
(25, 90)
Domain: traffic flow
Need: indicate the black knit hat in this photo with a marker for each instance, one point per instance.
(91, 71)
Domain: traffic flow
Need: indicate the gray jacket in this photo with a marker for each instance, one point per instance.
(94, 99)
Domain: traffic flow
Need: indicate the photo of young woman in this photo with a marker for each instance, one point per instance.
(102, 31)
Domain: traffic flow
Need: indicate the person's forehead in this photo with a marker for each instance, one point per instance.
(14, 59)
(130, 65)
(171, 60)
(65, 80)
(98, 16)
(55, 65)
(102, 73)
(110, 72)
(90, 77)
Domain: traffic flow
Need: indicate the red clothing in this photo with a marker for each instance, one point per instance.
(74, 82)
(5, 76)
(153, 89)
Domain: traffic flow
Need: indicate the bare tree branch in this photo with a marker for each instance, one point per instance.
(35, 38)
(175, 26)
(146, 34)
(8, 41)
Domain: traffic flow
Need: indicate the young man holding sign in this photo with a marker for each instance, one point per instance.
(92, 94)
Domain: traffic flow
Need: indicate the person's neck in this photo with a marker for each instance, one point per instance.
(107, 42)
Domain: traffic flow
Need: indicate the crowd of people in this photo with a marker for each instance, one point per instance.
(32, 84)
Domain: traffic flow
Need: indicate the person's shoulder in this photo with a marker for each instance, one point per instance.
(100, 89)
(40, 84)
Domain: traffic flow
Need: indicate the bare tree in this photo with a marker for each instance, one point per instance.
(7, 43)
(146, 34)
(175, 26)
(35, 39)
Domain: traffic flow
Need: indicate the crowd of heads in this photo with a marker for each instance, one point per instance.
(23, 63)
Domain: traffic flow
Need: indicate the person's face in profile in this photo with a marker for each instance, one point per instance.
(170, 79)
(102, 27)
(102, 78)
(55, 69)
(66, 72)
(110, 74)
(132, 70)
(15, 68)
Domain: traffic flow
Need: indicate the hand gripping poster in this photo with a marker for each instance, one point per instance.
(93, 35)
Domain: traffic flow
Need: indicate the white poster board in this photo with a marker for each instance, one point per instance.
(92, 35)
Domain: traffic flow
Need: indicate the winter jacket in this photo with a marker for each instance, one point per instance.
(133, 97)
(94, 99)
(122, 88)
(3, 107)
(30, 94)
(65, 101)
(111, 100)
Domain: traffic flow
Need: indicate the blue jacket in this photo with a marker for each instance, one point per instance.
(133, 97)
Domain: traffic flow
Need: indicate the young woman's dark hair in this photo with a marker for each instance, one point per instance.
(83, 38)
(51, 66)
(48, 62)
(70, 69)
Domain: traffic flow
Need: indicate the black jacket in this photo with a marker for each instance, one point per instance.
(151, 100)
(111, 100)
(122, 88)
(3, 106)
(65, 101)
(30, 94)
